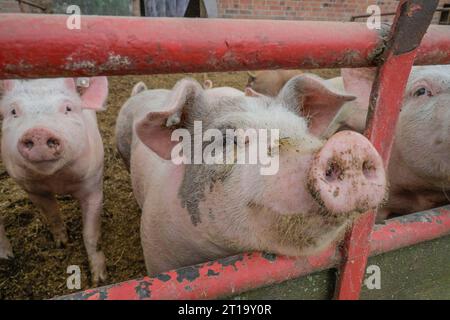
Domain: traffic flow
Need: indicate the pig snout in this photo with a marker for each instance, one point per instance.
(347, 174)
(40, 144)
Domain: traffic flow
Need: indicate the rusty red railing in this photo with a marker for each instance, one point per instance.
(119, 46)
(410, 24)
(237, 274)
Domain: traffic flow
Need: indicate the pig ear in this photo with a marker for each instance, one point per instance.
(359, 81)
(156, 128)
(138, 87)
(95, 95)
(312, 97)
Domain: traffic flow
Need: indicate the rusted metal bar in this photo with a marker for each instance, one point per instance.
(237, 274)
(411, 22)
(353, 18)
(130, 45)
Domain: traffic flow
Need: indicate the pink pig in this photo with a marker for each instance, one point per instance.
(198, 212)
(51, 145)
(419, 168)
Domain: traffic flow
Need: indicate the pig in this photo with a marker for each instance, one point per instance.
(51, 145)
(270, 82)
(195, 212)
(419, 168)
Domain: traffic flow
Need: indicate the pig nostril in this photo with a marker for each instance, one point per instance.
(28, 144)
(333, 172)
(52, 143)
(369, 169)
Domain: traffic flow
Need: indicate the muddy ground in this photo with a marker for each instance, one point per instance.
(38, 270)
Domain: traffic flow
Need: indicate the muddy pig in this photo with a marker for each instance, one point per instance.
(51, 145)
(419, 169)
(270, 82)
(197, 211)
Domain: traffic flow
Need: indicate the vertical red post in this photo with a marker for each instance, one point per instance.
(410, 24)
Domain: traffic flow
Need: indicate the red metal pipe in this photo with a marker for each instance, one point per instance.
(241, 273)
(393, 76)
(118, 45)
(410, 24)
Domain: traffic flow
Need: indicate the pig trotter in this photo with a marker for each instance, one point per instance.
(97, 264)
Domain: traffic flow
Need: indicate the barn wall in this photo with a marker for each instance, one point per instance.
(333, 10)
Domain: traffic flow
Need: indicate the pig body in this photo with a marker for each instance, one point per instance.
(51, 146)
(197, 212)
(419, 168)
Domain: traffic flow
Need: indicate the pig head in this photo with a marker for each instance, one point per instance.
(419, 169)
(194, 212)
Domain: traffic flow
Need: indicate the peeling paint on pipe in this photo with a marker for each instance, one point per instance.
(119, 45)
(237, 274)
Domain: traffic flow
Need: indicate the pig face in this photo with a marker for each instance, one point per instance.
(423, 131)
(44, 124)
(333, 179)
(422, 137)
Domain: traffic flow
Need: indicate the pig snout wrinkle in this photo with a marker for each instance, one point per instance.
(40, 144)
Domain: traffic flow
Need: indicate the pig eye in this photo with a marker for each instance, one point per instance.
(422, 91)
(14, 113)
(68, 109)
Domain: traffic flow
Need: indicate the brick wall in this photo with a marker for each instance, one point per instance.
(9, 6)
(334, 10)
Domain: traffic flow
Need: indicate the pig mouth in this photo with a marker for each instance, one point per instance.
(43, 166)
(44, 161)
(320, 211)
(361, 206)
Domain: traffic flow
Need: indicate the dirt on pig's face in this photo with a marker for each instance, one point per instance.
(280, 206)
(239, 188)
(423, 131)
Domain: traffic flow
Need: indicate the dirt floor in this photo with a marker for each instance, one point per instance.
(38, 270)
